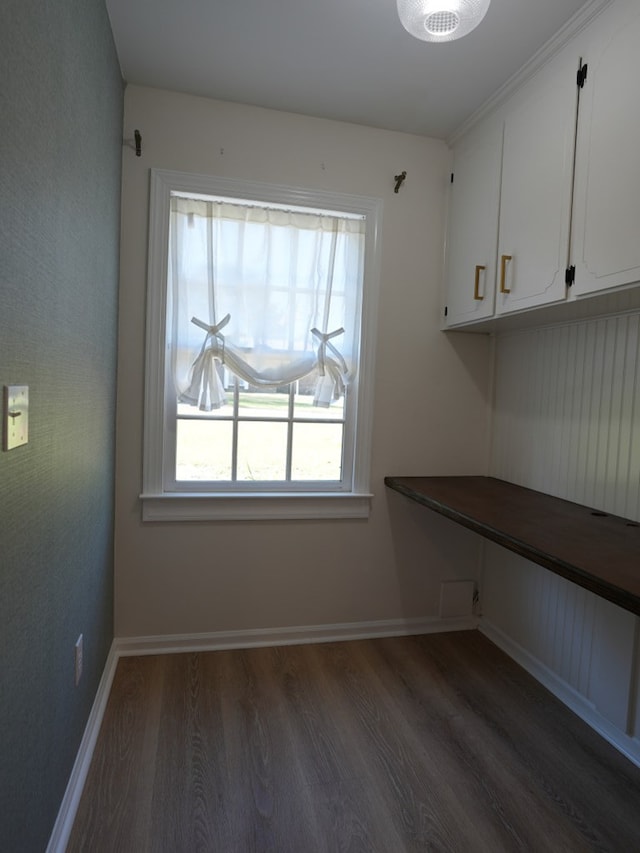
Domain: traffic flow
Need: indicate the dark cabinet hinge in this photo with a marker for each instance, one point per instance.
(446, 310)
(451, 177)
(582, 75)
(569, 275)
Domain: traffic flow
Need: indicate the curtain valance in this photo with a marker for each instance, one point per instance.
(284, 282)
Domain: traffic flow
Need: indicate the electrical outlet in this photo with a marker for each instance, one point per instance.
(78, 648)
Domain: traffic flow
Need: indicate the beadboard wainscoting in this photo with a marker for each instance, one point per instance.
(567, 422)
(566, 412)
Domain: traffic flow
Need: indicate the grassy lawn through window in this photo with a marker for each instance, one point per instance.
(205, 439)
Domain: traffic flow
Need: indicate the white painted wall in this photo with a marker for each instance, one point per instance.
(431, 392)
(567, 401)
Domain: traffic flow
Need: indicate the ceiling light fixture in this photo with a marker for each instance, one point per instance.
(441, 20)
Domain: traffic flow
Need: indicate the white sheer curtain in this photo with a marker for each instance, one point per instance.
(270, 294)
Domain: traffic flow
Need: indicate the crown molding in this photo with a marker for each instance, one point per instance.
(573, 26)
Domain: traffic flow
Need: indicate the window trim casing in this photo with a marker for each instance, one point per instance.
(158, 504)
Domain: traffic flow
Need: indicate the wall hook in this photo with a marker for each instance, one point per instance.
(135, 143)
(399, 180)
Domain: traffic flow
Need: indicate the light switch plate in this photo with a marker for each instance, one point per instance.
(15, 416)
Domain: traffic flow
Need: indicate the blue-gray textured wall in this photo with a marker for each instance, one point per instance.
(60, 161)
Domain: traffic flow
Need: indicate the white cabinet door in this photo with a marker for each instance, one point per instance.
(473, 227)
(606, 239)
(537, 178)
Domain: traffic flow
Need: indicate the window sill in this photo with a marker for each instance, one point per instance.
(254, 507)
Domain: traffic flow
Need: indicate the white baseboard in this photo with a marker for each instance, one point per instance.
(253, 638)
(579, 704)
(67, 813)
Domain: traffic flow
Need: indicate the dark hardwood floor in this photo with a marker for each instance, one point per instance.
(430, 743)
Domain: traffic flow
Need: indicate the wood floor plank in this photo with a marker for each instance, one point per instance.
(348, 814)
(429, 720)
(187, 763)
(397, 777)
(399, 745)
(271, 808)
(580, 775)
(117, 814)
(479, 763)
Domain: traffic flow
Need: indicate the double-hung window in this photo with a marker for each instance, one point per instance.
(261, 320)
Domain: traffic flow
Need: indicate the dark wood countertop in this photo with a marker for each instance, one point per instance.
(596, 550)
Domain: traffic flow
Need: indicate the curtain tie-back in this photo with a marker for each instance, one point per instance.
(324, 338)
(213, 332)
(205, 388)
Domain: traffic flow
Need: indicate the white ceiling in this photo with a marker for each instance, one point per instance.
(349, 60)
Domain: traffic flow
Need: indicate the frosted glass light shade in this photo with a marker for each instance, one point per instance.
(441, 20)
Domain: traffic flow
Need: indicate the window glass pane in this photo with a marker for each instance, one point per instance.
(203, 450)
(257, 403)
(262, 451)
(317, 452)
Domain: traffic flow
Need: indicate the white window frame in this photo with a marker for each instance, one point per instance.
(159, 504)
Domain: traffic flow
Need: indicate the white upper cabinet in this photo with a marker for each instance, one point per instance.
(536, 188)
(606, 219)
(473, 227)
(556, 169)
